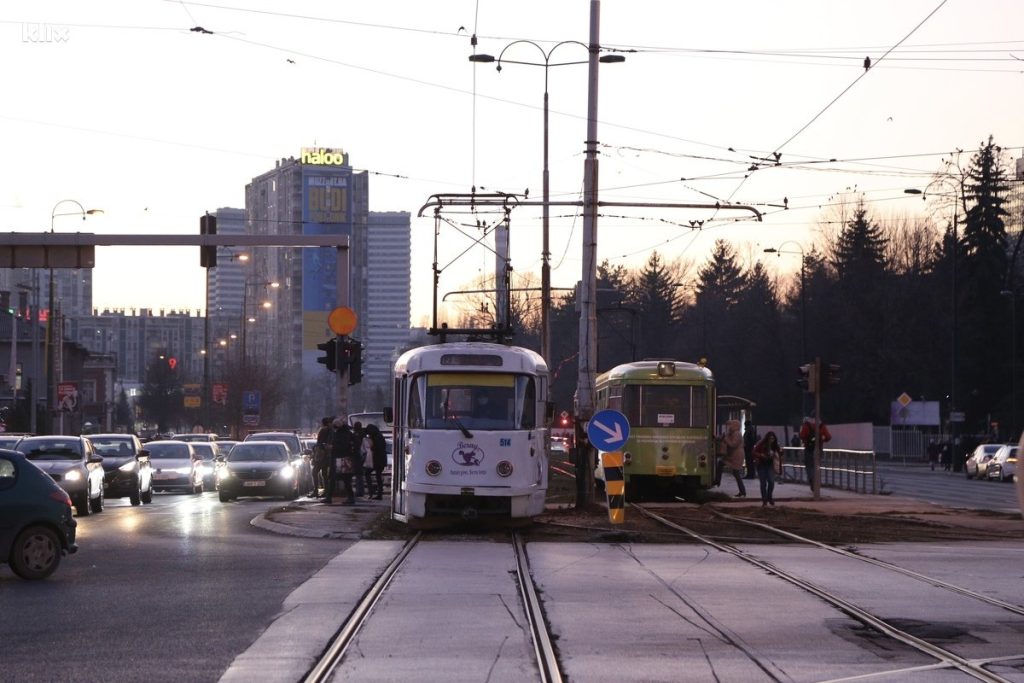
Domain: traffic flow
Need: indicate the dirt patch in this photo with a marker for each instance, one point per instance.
(838, 526)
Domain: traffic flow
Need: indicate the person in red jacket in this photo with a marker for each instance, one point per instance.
(807, 435)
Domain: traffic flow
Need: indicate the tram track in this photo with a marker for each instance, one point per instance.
(946, 658)
(543, 646)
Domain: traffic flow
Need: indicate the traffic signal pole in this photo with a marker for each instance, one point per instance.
(343, 300)
(817, 429)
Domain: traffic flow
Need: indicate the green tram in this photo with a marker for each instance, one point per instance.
(670, 406)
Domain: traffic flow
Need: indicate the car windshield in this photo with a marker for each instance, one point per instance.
(289, 440)
(113, 447)
(257, 452)
(51, 449)
(168, 451)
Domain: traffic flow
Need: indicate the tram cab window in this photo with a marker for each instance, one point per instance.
(490, 401)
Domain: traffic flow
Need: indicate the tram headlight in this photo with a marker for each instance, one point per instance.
(504, 468)
(433, 468)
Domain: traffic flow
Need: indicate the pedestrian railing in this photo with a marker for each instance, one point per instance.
(840, 468)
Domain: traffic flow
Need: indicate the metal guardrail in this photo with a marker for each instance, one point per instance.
(840, 468)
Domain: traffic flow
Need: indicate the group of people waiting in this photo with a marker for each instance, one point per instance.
(763, 455)
(352, 455)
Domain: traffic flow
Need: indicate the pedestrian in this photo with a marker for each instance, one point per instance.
(933, 453)
(768, 460)
(344, 451)
(322, 458)
(808, 430)
(946, 456)
(733, 458)
(357, 475)
(794, 441)
(376, 460)
(749, 441)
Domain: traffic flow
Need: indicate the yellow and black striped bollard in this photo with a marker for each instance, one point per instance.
(614, 486)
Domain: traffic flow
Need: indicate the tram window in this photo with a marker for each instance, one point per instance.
(665, 406)
(415, 404)
(527, 389)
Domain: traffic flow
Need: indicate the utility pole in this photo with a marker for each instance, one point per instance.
(584, 408)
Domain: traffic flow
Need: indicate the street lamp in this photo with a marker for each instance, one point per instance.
(51, 355)
(954, 417)
(545, 269)
(803, 292)
(246, 318)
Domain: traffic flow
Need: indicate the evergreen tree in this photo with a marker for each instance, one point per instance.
(162, 398)
(982, 370)
(658, 301)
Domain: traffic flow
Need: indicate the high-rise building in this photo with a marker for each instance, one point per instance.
(320, 193)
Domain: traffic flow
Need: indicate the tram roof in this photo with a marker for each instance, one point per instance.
(514, 358)
(648, 369)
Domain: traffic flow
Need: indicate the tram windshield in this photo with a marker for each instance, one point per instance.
(666, 406)
(445, 400)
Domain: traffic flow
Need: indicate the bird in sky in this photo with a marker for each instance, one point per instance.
(867, 63)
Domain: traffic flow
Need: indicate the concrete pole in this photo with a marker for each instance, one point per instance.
(588, 279)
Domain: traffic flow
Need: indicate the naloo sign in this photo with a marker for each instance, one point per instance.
(321, 156)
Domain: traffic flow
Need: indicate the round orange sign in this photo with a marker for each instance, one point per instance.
(342, 320)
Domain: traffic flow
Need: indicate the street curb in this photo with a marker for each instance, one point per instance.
(261, 522)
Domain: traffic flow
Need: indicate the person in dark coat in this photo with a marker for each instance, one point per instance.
(322, 457)
(357, 476)
(749, 441)
(344, 451)
(377, 448)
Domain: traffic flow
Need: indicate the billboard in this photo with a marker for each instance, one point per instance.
(326, 210)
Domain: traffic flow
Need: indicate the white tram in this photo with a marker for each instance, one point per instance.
(470, 430)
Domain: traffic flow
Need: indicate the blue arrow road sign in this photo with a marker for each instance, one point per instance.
(608, 430)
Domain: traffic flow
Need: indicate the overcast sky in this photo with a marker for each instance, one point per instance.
(119, 105)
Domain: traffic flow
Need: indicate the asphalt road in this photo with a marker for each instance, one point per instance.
(951, 489)
(165, 592)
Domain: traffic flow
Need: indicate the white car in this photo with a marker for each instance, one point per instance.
(176, 466)
(1003, 464)
(977, 463)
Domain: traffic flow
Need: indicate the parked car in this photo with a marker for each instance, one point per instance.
(1003, 464)
(127, 473)
(207, 450)
(73, 464)
(176, 466)
(301, 459)
(977, 464)
(258, 468)
(36, 526)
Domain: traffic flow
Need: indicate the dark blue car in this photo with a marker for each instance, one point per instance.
(36, 526)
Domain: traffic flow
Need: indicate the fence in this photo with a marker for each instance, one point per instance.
(840, 468)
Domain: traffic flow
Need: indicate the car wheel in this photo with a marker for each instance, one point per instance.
(224, 497)
(136, 495)
(36, 553)
(197, 487)
(82, 505)
(147, 495)
(97, 503)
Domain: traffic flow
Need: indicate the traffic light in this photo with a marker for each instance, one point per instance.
(808, 378)
(208, 255)
(832, 375)
(330, 357)
(352, 357)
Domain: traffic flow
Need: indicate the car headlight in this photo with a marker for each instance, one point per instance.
(206, 470)
(73, 475)
(183, 470)
(223, 473)
(128, 466)
(287, 472)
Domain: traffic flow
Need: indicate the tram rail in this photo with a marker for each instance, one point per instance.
(543, 645)
(946, 658)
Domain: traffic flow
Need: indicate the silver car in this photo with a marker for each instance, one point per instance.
(73, 464)
(1003, 464)
(977, 463)
(176, 466)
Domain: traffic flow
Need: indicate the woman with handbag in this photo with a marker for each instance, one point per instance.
(767, 460)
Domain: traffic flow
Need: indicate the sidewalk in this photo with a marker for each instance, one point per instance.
(312, 518)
